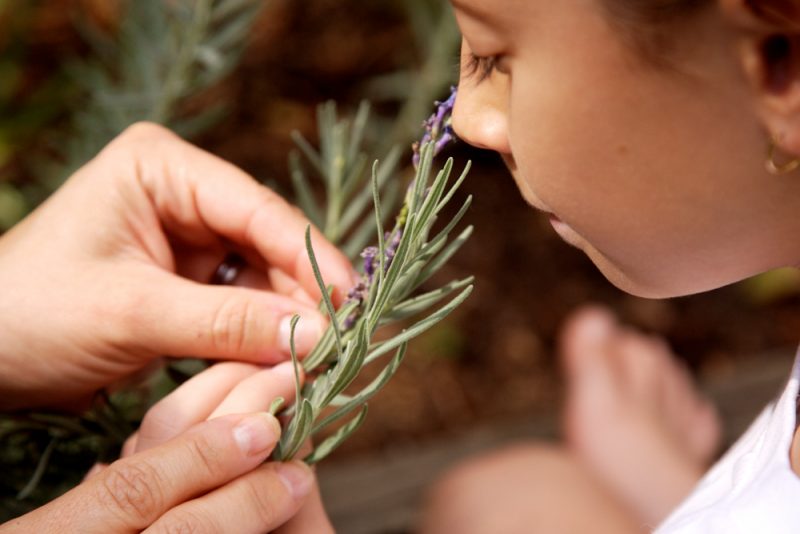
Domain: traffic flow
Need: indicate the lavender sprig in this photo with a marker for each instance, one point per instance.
(404, 258)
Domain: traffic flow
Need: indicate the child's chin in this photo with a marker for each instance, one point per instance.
(661, 289)
(625, 281)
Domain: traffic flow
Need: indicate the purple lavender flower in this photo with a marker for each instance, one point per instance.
(350, 321)
(370, 254)
(438, 127)
(360, 291)
(391, 247)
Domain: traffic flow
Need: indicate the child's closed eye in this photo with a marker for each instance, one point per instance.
(479, 67)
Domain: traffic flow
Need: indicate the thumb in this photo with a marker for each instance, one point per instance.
(134, 492)
(178, 317)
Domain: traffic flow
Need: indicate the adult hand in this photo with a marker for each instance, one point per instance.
(207, 480)
(112, 272)
(224, 389)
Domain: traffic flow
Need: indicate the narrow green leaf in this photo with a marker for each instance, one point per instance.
(394, 272)
(389, 164)
(455, 187)
(308, 151)
(304, 194)
(323, 290)
(418, 328)
(422, 302)
(276, 405)
(357, 132)
(358, 205)
(327, 342)
(353, 178)
(421, 179)
(444, 232)
(298, 431)
(437, 243)
(335, 159)
(38, 473)
(326, 122)
(406, 282)
(229, 35)
(295, 364)
(362, 236)
(341, 400)
(376, 201)
(349, 364)
(329, 445)
(224, 8)
(427, 210)
(444, 255)
(365, 394)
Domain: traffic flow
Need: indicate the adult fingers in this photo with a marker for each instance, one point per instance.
(218, 391)
(134, 492)
(94, 470)
(174, 316)
(257, 502)
(129, 447)
(199, 197)
(192, 402)
(286, 285)
(256, 393)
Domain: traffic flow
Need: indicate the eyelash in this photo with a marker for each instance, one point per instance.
(480, 67)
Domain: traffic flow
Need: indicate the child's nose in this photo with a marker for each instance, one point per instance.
(480, 121)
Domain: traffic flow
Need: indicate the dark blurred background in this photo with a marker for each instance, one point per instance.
(74, 72)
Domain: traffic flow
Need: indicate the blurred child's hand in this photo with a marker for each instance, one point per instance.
(111, 272)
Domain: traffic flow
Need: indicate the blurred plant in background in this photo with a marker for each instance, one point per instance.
(161, 55)
(153, 60)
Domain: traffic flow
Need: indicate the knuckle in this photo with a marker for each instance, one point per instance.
(126, 316)
(262, 502)
(183, 521)
(232, 325)
(268, 202)
(138, 140)
(133, 491)
(145, 130)
(160, 423)
(207, 457)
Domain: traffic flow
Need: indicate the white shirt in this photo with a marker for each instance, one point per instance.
(752, 489)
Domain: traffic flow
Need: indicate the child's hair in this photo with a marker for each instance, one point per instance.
(648, 24)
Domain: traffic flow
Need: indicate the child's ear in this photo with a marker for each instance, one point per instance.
(770, 53)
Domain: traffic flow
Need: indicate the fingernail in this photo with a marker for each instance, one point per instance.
(257, 433)
(286, 371)
(306, 334)
(596, 325)
(297, 478)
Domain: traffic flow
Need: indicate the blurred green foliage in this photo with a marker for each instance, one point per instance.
(161, 55)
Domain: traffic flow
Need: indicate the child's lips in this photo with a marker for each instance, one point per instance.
(565, 231)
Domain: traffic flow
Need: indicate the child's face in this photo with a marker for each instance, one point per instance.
(657, 173)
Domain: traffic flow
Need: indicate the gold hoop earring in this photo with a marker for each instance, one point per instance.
(774, 168)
